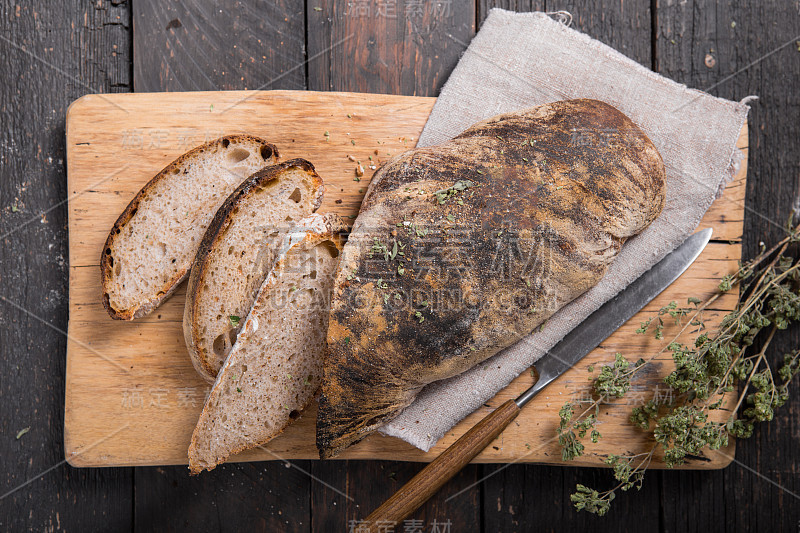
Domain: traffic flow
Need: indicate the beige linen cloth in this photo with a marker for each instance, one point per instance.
(520, 60)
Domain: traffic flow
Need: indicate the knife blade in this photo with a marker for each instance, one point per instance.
(614, 313)
(572, 348)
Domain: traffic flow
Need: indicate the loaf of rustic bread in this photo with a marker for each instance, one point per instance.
(150, 248)
(462, 249)
(275, 367)
(236, 254)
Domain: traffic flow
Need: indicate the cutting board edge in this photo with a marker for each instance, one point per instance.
(84, 459)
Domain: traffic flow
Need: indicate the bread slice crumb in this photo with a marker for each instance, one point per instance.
(275, 368)
(236, 254)
(150, 248)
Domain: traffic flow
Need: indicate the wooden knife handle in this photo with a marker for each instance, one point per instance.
(431, 478)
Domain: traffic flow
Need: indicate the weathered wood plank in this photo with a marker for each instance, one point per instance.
(235, 497)
(206, 46)
(50, 54)
(521, 495)
(734, 50)
(518, 496)
(624, 25)
(370, 483)
(520, 6)
(391, 47)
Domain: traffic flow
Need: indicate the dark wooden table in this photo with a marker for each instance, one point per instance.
(53, 52)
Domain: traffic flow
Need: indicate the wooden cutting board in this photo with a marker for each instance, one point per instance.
(132, 396)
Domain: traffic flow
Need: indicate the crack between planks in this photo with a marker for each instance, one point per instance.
(130, 47)
(305, 46)
(482, 501)
(133, 499)
(654, 35)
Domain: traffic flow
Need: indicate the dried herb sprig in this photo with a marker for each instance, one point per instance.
(443, 195)
(705, 372)
(613, 382)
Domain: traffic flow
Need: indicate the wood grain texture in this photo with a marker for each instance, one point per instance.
(213, 45)
(239, 497)
(370, 483)
(623, 25)
(138, 373)
(735, 50)
(396, 47)
(520, 6)
(50, 54)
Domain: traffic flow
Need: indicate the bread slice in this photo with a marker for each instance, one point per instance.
(236, 254)
(275, 367)
(152, 244)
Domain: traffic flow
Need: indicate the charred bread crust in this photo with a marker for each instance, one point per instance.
(106, 260)
(572, 179)
(216, 230)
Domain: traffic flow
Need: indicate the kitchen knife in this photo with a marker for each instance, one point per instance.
(572, 348)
